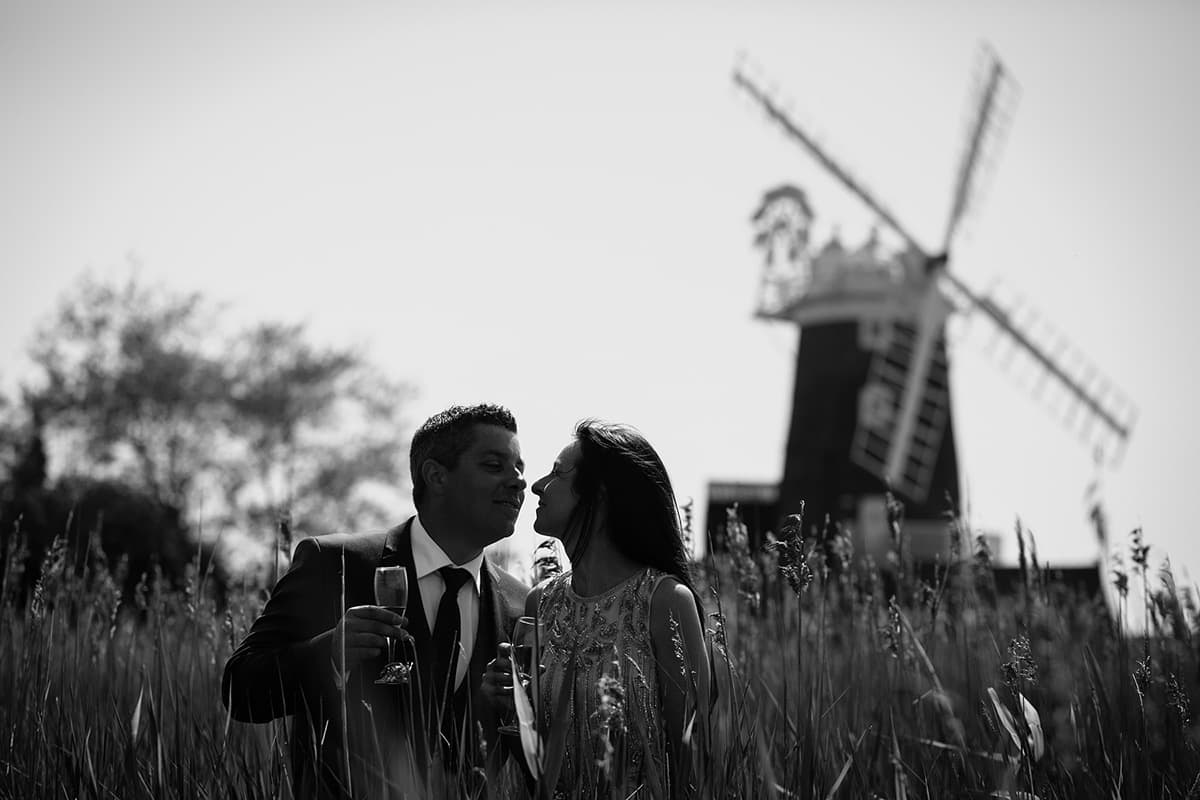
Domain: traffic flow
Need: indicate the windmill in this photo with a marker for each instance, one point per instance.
(871, 405)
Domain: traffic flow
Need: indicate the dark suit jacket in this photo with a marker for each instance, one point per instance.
(362, 740)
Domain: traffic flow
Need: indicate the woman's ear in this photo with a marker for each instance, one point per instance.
(600, 512)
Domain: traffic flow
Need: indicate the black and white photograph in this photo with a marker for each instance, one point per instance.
(612, 401)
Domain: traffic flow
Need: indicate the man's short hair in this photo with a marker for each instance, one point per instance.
(448, 434)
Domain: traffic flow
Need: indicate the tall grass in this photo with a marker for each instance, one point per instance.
(835, 679)
(845, 680)
(101, 697)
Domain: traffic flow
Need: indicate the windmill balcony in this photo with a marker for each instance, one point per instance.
(838, 287)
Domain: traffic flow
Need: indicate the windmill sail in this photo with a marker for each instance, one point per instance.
(774, 110)
(991, 112)
(1064, 379)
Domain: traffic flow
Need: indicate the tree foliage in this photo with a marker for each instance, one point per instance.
(314, 427)
(130, 383)
(143, 394)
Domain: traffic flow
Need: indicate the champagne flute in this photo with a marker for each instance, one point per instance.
(528, 637)
(391, 592)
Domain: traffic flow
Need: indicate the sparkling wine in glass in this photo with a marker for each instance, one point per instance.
(391, 593)
(527, 640)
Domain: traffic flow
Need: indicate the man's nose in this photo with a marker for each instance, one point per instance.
(519, 480)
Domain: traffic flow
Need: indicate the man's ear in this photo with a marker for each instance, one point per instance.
(434, 474)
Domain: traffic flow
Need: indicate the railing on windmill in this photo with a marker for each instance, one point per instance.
(836, 285)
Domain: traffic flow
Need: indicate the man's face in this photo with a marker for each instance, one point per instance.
(485, 490)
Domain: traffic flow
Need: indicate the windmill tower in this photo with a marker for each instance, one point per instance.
(871, 406)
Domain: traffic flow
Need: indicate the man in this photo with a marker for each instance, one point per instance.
(319, 644)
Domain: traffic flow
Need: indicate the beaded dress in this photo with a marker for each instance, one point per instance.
(608, 723)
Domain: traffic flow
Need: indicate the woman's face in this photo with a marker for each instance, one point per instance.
(556, 494)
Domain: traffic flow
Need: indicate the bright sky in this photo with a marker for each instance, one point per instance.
(547, 206)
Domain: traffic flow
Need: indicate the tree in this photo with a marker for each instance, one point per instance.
(316, 427)
(139, 386)
(100, 521)
(130, 386)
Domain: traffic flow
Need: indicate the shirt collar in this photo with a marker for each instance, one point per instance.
(428, 557)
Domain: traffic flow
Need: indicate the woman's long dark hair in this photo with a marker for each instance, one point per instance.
(618, 469)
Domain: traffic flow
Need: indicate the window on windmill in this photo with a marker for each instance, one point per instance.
(876, 406)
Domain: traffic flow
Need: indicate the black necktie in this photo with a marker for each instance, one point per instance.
(447, 626)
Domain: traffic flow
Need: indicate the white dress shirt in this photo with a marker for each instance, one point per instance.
(428, 558)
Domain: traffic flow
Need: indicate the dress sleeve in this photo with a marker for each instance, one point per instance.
(286, 657)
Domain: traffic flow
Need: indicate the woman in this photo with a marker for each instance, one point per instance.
(626, 666)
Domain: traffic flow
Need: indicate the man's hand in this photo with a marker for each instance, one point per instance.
(364, 631)
(497, 680)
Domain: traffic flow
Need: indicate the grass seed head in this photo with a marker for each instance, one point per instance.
(546, 563)
(717, 633)
(1020, 668)
(983, 553)
(1144, 672)
(954, 530)
(749, 578)
(1139, 551)
(792, 553)
(1120, 577)
(895, 643)
(839, 549)
(1178, 699)
(688, 511)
